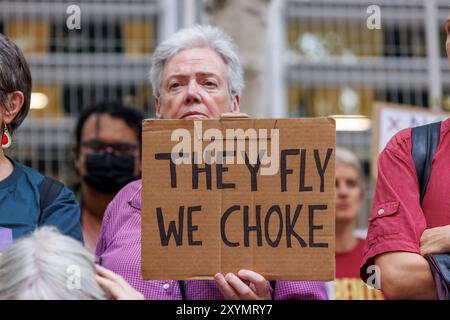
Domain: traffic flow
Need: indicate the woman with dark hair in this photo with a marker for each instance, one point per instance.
(27, 198)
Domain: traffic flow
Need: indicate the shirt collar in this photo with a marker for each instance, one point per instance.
(135, 199)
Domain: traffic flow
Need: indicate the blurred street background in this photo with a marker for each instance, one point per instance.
(302, 59)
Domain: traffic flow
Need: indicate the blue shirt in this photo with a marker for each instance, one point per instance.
(20, 205)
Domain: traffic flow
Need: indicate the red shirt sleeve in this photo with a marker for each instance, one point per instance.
(397, 220)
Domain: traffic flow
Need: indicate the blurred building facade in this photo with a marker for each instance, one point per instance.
(108, 58)
(303, 58)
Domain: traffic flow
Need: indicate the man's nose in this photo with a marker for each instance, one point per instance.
(193, 93)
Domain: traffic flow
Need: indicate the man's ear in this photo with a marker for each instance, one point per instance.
(158, 107)
(15, 103)
(235, 106)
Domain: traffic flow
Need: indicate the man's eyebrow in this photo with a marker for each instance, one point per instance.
(206, 74)
(181, 75)
(198, 74)
(177, 75)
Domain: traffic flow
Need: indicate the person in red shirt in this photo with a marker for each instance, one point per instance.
(349, 248)
(401, 231)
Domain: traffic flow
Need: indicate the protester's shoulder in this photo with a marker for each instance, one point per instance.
(36, 179)
(400, 143)
(126, 205)
(400, 138)
(67, 194)
(131, 189)
(127, 199)
(32, 175)
(445, 127)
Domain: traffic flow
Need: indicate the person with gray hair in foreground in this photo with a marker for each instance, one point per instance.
(47, 265)
(196, 74)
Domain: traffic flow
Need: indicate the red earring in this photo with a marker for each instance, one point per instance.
(6, 138)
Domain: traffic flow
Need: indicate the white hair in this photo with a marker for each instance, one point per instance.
(346, 157)
(42, 265)
(199, 37)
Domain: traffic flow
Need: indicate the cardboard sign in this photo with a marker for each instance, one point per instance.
(388, 119)
(211, 205)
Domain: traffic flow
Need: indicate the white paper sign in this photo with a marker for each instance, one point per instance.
(392, 120)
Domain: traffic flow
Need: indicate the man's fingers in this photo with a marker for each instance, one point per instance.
(242, 289)
(424, 238)
(117, 286)
(259, 282)
(423, 251)
(105, 272)
(227, 291)
(108, 274)
(109, 286)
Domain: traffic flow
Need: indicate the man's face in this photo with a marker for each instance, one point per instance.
(102, 133)
(195, 86)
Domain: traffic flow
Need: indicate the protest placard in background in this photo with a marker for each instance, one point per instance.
(200, 219)
(389, 118)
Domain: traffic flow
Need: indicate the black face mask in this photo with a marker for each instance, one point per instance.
(107, 172)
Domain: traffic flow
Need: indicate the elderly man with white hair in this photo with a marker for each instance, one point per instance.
(195, 74)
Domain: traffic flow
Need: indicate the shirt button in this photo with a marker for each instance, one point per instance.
(166, 286)
(380, 212)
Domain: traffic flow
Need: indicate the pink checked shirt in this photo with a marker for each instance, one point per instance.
(119, 249)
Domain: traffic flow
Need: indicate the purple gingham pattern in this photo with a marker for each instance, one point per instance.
(119, 249)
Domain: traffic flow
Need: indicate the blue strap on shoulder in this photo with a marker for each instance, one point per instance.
(49, 189)
(425, 140)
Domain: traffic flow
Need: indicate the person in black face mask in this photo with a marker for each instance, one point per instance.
(107, 158)
(107, 171)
